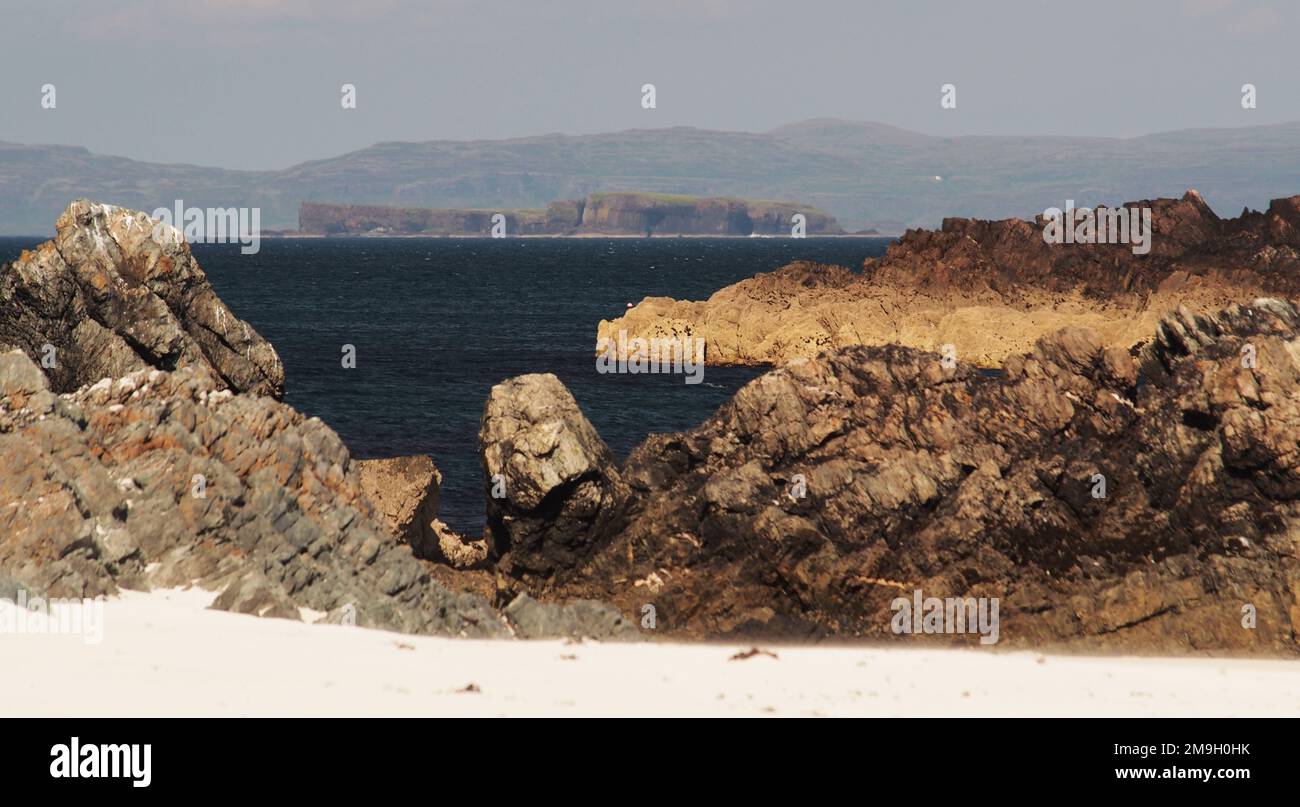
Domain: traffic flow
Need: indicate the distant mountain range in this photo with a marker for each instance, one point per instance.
(863, 174)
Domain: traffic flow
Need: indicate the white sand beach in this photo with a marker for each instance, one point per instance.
(164, 653)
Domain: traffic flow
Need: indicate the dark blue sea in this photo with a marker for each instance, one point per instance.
(436, 322)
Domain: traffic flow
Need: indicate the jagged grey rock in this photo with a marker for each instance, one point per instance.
(579, 618)
(168, 461)
(167, 479)
(549, 480)
(115, 292)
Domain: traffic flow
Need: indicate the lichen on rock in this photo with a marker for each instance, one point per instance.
(115, 291)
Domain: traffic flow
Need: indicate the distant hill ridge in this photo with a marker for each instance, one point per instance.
(863, 174)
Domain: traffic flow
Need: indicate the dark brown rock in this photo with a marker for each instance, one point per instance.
(1190, 244)
(960, 484)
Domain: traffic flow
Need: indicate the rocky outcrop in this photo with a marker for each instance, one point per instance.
(454, 549)
(1134, 500)
(115, 292)
(990, 289)
(168, 479)
(549, 481)
(175, 468)
(405, 491)
(1140, 503)
(598, 214)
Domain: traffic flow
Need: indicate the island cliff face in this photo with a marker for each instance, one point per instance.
(645, 213)
(326, 219)
(597, 214)
(990, 289)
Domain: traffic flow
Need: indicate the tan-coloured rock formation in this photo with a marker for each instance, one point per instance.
(405, 491)
(990, 289)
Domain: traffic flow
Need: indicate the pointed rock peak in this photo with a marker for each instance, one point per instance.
(1194, 198)
(115, 292)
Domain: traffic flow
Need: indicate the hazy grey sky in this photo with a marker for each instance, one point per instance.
(255, 83)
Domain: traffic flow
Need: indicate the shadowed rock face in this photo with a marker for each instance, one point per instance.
(114, 292)
(991, 288)
(831, 486)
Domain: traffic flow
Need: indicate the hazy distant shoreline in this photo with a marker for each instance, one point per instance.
(836, 165)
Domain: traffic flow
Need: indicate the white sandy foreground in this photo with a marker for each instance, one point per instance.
(164, 653)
